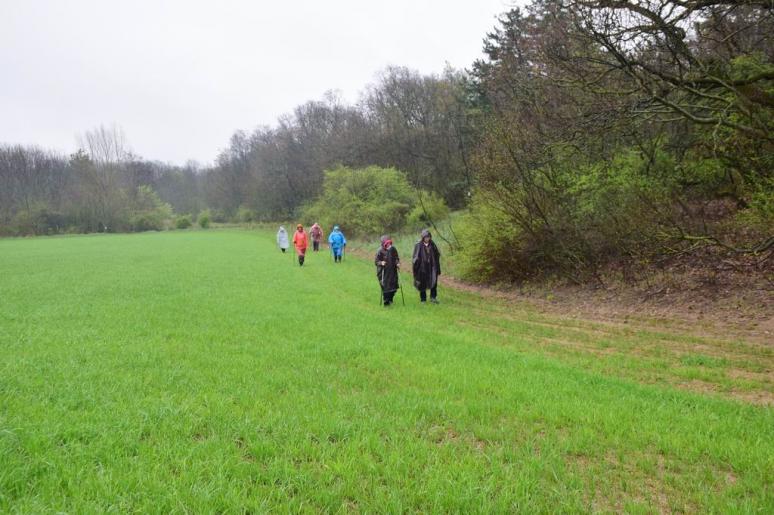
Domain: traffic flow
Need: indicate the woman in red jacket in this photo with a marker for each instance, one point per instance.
(300, 242)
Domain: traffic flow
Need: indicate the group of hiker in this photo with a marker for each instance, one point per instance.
(425, 264)
(425, 261)
(336, 241)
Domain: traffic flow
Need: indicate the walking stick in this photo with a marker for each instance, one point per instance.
(400, 287)
(381, 287)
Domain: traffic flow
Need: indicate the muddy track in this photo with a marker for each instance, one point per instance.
(685, 313)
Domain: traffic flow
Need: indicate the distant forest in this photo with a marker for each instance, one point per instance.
(590, 133)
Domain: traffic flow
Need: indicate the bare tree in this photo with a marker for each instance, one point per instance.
(106, 146)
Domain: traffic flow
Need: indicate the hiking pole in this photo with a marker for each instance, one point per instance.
(400, 287)
(381, 287)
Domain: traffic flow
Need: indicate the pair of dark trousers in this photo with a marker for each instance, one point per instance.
(388, 296)
(433, 294)
(315, 246)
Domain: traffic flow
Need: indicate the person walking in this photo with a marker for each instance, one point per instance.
(387, 264)
(426, 265)
(282, 239)
(300, 242)
(337, 242)
(316, 233)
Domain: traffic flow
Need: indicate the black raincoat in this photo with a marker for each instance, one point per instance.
(426, 264)
(387, 274)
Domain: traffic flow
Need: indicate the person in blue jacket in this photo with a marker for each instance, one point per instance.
(337, 242)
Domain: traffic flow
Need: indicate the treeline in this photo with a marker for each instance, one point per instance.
(591, 134)
(102, 187)
(415, 123)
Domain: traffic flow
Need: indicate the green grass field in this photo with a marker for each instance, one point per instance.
(206, 372)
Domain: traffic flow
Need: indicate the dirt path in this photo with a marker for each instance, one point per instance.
(743, 311)
(748, 317)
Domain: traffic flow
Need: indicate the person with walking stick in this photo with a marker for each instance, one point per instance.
(426, 265)
(337, 242)
(387, 264)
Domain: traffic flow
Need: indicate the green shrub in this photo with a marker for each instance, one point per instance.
(759, 214)
(149, 212)
(245, 215)
(571, 218)
(183, 222)
(491, 244)
(364, 202)
(204, 219)
(430, 208)
(146, 221)
(39, 221)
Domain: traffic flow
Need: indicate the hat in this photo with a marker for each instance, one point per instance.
(299, 226)
(335, 227)
(426, 232)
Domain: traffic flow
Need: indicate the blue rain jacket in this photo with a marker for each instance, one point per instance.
(336, 239)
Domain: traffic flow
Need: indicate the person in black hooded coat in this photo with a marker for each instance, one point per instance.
(426, 263)
(387, 263)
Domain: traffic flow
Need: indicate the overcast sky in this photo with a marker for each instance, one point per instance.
(180, 76)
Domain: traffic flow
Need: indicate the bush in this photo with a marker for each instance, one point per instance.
(571, 219)
(430, 208)
(39, 221)
(490, 245)
(759, 215)
(147, 221)
(204, 219)
(364, 202)
(149, 213)
(245, 215)
(183, 222)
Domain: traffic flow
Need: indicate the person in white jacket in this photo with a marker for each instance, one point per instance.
(282, 239)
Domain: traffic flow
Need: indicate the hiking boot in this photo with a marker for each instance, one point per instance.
(434, 301)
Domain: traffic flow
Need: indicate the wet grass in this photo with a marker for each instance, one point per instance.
(206, 372)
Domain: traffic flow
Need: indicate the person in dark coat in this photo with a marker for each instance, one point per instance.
(426, 265)
(387, 264)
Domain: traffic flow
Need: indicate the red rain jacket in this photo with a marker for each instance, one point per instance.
(300, 242)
